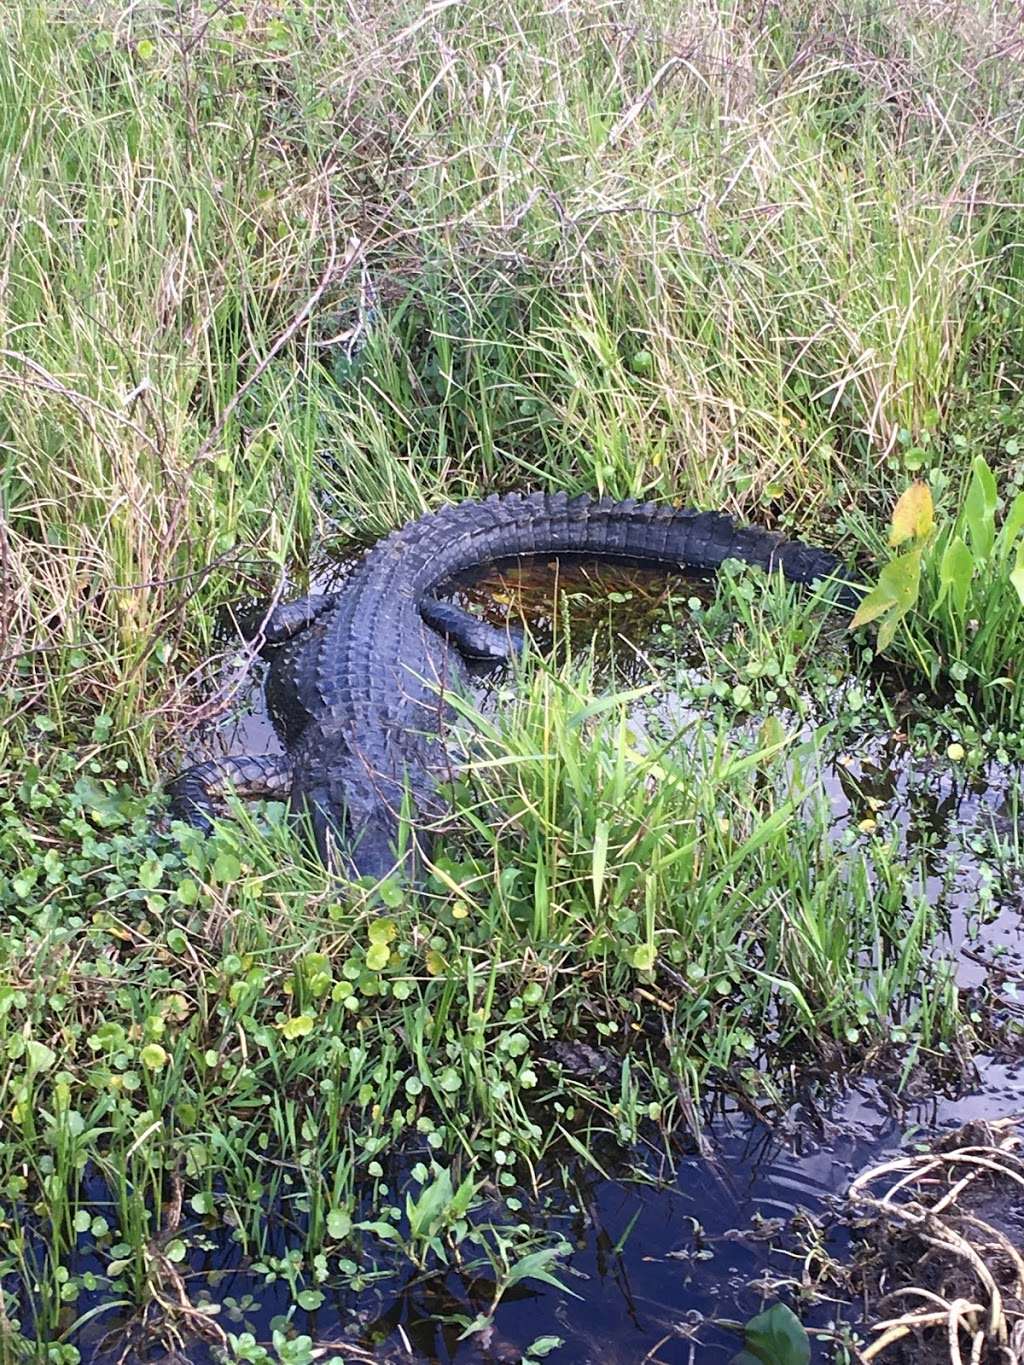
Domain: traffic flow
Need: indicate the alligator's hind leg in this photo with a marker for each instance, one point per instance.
(473, 638)
(286, 620)
(193, 793)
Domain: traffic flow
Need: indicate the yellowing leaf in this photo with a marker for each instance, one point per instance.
(913, 515)
(436, 964)
(297, 1027)
(377, 956)
(875, 603)
(382, 930)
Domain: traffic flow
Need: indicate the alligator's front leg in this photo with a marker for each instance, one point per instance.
(193, 793)
(473, 638)
(285, 621)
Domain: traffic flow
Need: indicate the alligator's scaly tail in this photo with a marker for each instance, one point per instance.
(457, 538)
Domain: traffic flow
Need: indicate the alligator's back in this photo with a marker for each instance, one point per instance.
(357, 694)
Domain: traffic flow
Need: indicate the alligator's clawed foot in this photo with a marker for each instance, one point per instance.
(194, 792)
(476, 640)
(284, 621)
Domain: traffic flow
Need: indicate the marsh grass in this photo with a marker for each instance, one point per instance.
(289, 274)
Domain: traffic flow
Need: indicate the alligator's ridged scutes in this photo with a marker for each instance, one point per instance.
(354, 693)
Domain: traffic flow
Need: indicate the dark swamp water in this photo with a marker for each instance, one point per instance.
(662, 1250)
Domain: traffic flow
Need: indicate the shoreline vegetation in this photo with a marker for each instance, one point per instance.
(275, 278)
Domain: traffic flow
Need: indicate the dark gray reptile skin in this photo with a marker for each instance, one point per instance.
(354, 692)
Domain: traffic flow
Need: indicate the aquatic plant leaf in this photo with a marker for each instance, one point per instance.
(913, 515)
(874, 604)
(385, 1231)
(955, 573)
(425, 1213)
(980, 509)
(775, 1337)
(534, 1266)
(601, 832)
(643, 957)
(40, 1057)
(378, 955)
(899, 584)
(543, 1346)
(339, 1224)
(382, 930)
(1017, 576)
(1013, 524)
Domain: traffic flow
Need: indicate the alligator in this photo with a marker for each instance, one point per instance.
(357, 678)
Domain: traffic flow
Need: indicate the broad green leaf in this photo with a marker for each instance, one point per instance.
(897, 591)
(874, 604)
(775, 1337)
(150, 873)
(1017, 576)
(385, 1231)
(382, 930)
(298, 1027)
(643, 956)
(955, 573)
(226, 868)
(339, 1224)
(901, 579)
(980, 509)
(462, 1199)
(39, 1056)
(153, 1057)
(424, 1213)
(534, 1266)
(378, 955)
(887, 630)
(543, 1346)
(913, 515)
(1013, 524)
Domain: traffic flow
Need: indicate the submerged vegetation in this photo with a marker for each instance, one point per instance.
(278, 276)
